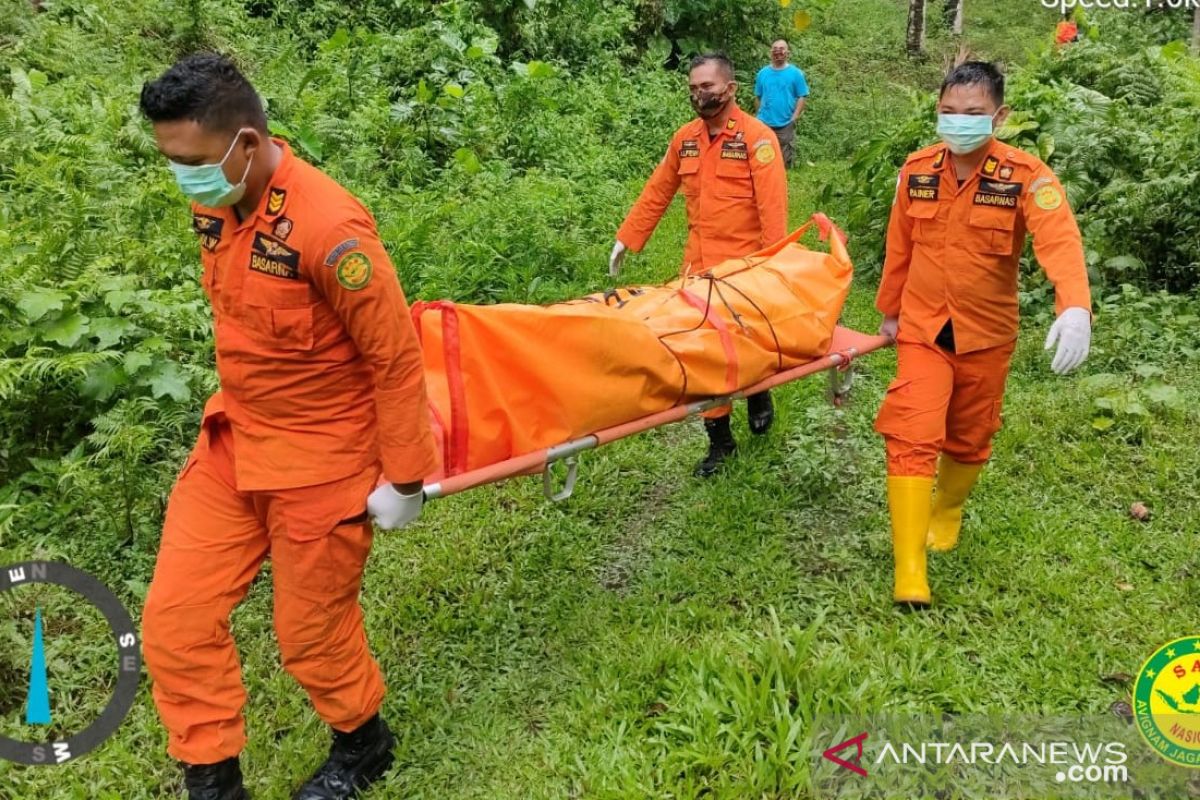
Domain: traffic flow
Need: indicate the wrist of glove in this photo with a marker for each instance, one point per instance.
(1072, 332)
(614, 260)
(392, 509)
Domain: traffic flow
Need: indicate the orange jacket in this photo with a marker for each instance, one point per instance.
(952, 252)
(320, 368)
(735, 186)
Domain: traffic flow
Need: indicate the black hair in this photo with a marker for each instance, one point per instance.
(977, 73)
(718, 58)
(206, 88)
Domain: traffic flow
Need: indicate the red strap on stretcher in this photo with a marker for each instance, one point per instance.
(455, 438)
(731, 358)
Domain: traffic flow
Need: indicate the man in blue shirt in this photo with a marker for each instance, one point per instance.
(780, 92)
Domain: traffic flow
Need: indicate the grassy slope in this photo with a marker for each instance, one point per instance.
(641, 639)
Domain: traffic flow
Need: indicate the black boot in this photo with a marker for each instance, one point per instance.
(720, 446)
(356, 760)
(760, 412)
(219, 781)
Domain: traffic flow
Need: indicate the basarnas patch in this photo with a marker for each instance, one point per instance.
(998, 194)
(354, 270)
(734, 150)
(272, 257)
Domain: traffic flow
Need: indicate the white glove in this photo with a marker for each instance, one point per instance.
(614, 261)
(889, 327)
(391, 509)
(1073, 332)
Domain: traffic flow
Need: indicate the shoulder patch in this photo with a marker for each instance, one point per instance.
(764, 154)
(1048, 198)
(340, 250)
(926, 152)
(1039, 183)
(354, 270)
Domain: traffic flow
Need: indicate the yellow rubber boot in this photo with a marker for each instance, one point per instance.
(909, 504)
(954, 482)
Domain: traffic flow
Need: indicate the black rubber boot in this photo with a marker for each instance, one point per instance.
(356, 760)
(760, 412)
(720, 446)
(219, 781)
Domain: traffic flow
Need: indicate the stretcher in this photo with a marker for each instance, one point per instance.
(517, 389)
(838, 363)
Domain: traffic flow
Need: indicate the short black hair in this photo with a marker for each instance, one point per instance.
(977, 73)
(719, 58)
(206, 88)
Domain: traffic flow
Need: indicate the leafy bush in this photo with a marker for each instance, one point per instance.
(1117, 125)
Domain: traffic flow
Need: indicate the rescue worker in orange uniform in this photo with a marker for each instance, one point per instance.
(730, 169)
(949, 298)
(322, 392)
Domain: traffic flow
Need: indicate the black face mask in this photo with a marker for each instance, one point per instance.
(709, 104)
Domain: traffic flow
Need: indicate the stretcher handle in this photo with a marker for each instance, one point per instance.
(827, 231)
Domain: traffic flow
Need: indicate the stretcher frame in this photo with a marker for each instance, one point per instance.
(847, 345)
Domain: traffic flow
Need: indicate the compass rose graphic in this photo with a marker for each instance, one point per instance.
(60, 741)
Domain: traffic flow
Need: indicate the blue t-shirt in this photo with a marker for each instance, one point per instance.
(779, 90)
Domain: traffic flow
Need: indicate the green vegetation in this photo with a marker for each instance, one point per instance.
(655, 636)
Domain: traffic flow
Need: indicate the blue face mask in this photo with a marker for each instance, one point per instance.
(206, 183)
(964, 133)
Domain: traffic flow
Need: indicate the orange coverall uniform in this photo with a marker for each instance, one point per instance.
(322, 389)
(735, 185)
(952, 255)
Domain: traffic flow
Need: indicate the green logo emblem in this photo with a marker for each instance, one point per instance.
(1166, 701)
(354, 271)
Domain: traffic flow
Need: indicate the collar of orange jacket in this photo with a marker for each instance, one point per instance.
(988, 166)
(274, 197)
(735, 124)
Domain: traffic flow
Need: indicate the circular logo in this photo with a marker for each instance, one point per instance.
(354, 270)
(1166, 701)
(1048, 198)
(38, 706)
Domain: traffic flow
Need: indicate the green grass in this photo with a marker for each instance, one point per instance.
(661, 637)
(602, 647)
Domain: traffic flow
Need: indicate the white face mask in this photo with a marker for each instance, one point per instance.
(965, 133)
(206, 183)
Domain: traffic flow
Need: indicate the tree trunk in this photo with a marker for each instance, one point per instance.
(1196, 32)
(952, 12)
(916, 27)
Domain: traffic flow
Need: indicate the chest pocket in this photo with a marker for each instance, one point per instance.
(927, 228)
(282, 312)
(689, 176)
(733, 178)
(992, 230)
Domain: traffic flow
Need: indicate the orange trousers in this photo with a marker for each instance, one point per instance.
(214, 541)
(942, 402)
